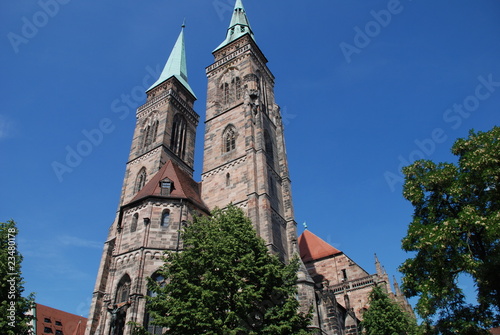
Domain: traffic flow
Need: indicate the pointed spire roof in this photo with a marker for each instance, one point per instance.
(378, 266)
(176, 65)
(239, 25)
(313, 248)
(183, 185)
(397, 290)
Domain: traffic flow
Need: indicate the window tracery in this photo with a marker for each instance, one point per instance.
(179, 134)
(123, 290)
(229, 139)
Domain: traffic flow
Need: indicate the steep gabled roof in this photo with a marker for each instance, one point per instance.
(313, 248)
(184, 186)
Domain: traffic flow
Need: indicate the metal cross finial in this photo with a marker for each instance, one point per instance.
(305, 225)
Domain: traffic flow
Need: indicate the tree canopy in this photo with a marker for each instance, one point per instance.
(455, 232)
(13, 306)
(226, 282)
(385, 316)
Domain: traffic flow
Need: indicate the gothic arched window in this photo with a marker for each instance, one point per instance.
(149, 133)
(165, 218)
(133, 225)
(229, 139)
(140, 181)
(123, 290)
(179, 133)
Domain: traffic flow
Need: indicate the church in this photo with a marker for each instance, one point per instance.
(244, 163)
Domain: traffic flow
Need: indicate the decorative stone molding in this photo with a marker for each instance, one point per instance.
(224, 167)
(168, 96)
(146, 156)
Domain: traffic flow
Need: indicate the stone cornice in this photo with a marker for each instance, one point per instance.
(254, 51)
(163, 98)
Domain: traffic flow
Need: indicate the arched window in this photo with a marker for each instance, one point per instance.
(229, 139)
(179, 133)
(149, 133)
(226, 99)
(165, 218)
(123, 290)
(228, 179)
(133, 225)
(148, 319)
(140, 181)
(120, 313)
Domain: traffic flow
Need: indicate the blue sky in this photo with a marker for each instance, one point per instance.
(364, 86)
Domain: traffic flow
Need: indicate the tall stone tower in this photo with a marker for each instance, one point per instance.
(245, 164)
(158, 196)
(245, 159)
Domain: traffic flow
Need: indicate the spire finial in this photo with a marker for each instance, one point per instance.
(183, 24)
(305, 225)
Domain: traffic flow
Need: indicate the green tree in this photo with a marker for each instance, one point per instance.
(455, 232)
(13, 306)
(226, 282)
(384, 316)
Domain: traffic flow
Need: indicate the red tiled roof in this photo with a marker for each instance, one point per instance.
(183, 185)
(495, 331)
(313, 248)
(55, 319)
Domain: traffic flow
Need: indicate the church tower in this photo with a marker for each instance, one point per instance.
(245, 159)
(158, 196)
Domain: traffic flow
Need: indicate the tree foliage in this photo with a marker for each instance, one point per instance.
(385, 316)
(226, 282)
(455, 232)
(13, 306)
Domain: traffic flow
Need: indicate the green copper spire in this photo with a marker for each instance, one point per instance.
(176, 65)
(239, 25)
